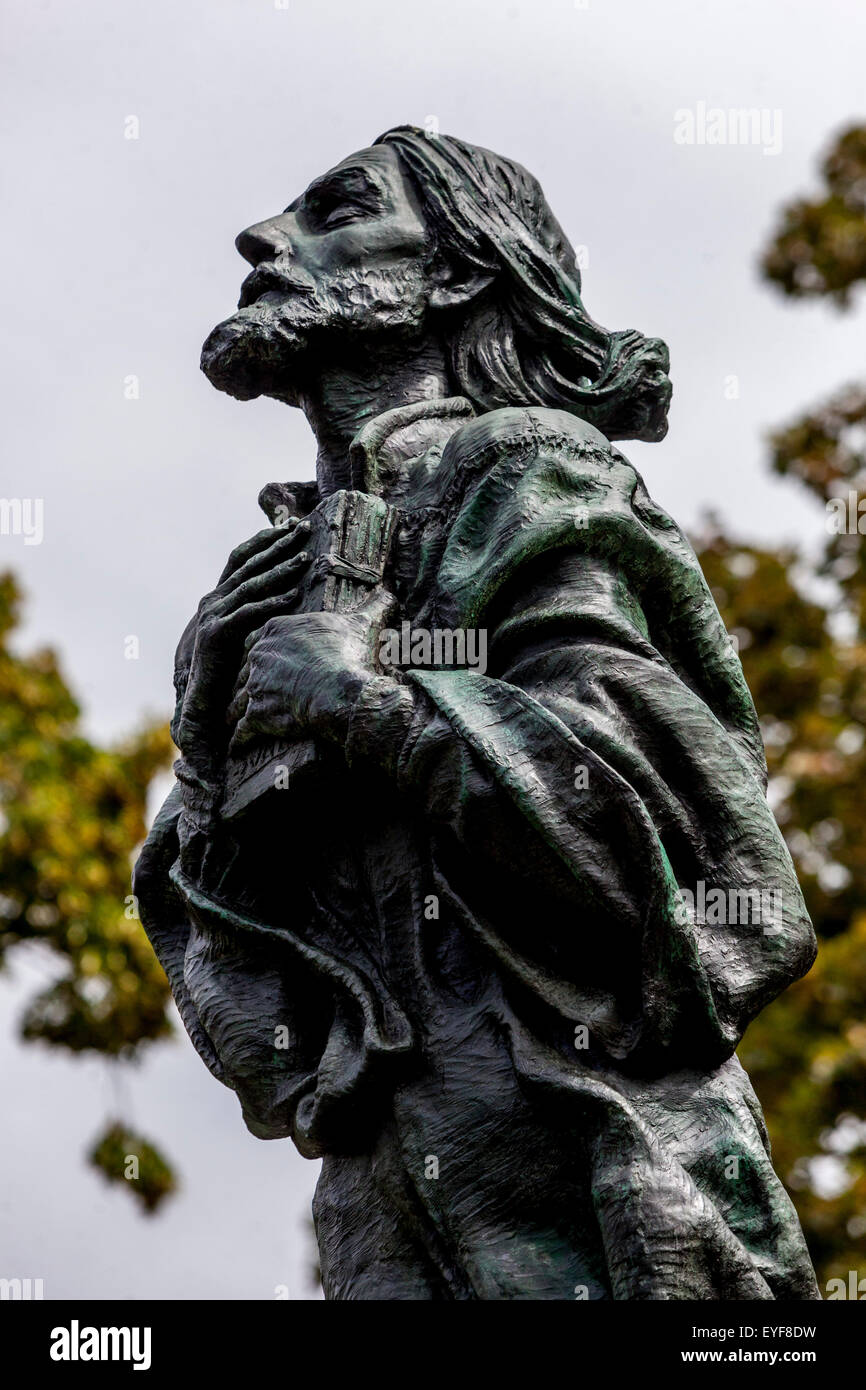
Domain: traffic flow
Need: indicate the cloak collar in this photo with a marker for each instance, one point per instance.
(384, 454)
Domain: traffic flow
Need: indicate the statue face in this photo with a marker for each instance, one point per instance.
(344, 261)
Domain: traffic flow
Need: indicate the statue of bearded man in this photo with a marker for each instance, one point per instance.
(468, 882)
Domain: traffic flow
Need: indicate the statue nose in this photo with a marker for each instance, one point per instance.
(263, 241)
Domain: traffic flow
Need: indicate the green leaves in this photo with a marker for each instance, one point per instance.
(806, 1053)
(72, 814)
(125, 1157)
(820, 247)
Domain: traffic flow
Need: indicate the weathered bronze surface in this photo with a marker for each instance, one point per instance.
(469, 883)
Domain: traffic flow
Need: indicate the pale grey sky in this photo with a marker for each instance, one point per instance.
(117, 259)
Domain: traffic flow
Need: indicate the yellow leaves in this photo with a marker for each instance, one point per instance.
(826, 1061)
(75, 814)
(72, 903)
(96, 875)
(806, 1053)
(813, 762)
(90, 962)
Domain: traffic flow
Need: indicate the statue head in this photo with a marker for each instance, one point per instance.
(424, 238)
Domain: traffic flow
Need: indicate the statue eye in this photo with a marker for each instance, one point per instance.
(329, 210)
(330, 205)
(342, 212)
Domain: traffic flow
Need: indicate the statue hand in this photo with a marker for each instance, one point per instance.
(257, 583)
(305, 672)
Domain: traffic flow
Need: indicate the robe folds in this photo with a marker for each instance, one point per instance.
(515, 928)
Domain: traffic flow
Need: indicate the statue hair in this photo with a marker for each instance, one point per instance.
(527, 339)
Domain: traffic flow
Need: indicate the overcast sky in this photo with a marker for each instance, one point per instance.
(119, 258)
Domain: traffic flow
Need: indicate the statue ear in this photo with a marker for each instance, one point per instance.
(456, 282)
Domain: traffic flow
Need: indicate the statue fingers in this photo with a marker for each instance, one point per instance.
(265, 558)
(238, 707)
(261, 541)
(251, 617)
(251, 725)
(273, 583)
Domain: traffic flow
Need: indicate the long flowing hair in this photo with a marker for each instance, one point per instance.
(527, 339)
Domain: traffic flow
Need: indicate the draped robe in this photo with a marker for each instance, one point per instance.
(511, 1021)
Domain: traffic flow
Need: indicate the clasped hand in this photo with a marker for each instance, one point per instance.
(306, 671)
(248, 662)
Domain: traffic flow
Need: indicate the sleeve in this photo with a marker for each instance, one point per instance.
(597, 794)
(165, 919)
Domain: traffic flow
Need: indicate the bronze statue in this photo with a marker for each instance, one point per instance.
(469, 883)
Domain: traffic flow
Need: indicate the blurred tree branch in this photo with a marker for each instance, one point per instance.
(72, 816)
(806, 666)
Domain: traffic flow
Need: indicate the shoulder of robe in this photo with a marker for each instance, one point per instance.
(516, 439)
(525, 428)
(525, 480)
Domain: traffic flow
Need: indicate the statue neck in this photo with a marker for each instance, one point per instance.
(343, 398)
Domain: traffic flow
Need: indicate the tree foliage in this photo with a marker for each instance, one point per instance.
(121, 1156)
(820, 247)
(806, 1053)
(71, 815)
(805, 662)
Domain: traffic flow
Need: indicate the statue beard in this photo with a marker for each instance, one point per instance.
(283, 340)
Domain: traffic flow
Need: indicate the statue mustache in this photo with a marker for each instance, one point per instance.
(270, 279)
